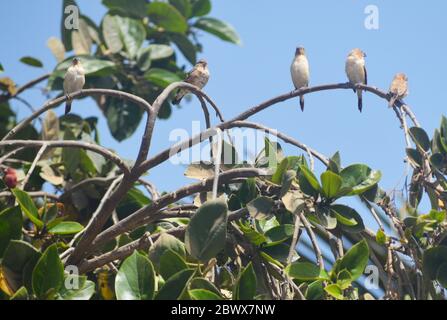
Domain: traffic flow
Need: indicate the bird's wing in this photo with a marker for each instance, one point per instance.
(366, 75)
(192, 76)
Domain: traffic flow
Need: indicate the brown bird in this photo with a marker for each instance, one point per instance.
(398, 88)
(356, 72)
(74, 81)
(198, 77)
(300, 72)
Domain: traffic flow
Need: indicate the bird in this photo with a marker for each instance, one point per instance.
(198, 76)
(356, 72)
(300, 72)
(74, 81)
(398, 88)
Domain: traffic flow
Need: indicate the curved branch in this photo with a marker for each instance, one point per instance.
(145, 214)
(26, 86)
(69, 144)
(83, 93)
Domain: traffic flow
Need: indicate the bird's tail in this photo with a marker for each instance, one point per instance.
(302, 103)
(360, 100)
(179, 96)
(392, 101)
(67, 106)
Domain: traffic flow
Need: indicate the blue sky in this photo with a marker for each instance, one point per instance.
(410, 39)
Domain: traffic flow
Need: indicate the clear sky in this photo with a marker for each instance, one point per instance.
(410, 38)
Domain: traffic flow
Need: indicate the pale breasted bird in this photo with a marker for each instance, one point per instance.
(300, 72)
(198, 77)
(74, 81)
(398, 88)
(356, 72)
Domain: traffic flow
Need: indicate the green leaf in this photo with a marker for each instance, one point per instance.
(245, 288)
(335, 291)
(348, 218)
(10, 227)
(420, 138)
(287, 179)
(354, 261)
(200, 8)
(186, 47)
(325, 217)
(311, 178)
(123, 33)
(315, 291)
(135, 8)
(248, 191)
(305, 271)
(414, 156)
(123, 117)
(359, 178)
(28, 207)
(381, 237)
(202, 294)
(85, 290)
(218, 28)
(432, 260)
(183, 6)
(331, 184)
(344, 279)
(165, 242)
(167, 17)
(279, 234)
(18, 254)
(92, 66)
(294, 201)
(135, 279)
(202, 283)
(171, 263)
(335, 163)
(176, 286)
(251, 234)
(160, 51)
(206, 232)
(161, 77)
(66, 228)
(48, 274)
(31, 62)
(260, 208)
(21, 294)
(1, 68)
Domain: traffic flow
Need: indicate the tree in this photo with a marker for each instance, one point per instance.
(79, 222)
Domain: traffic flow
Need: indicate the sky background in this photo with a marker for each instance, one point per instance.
(410, 39)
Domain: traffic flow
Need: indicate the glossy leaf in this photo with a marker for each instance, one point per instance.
(48, 274)
(359, 178)
(165, 242)
(85, 290)
(175, 286)
(245, 288)
(28, 207)
(331, 184)
(135, 8)
(354, 261)
(202, 294)
(161, 77)
(10, 227)
(32, 62)
(167, 17)
(432, 260)
(218, 28)
(260, 208)
(206, 232)
(305, 271)
(349, 219)
(200, 8)
(66, 228)
(171, 263)
(135, 279)
(420, 138)
(311, 178)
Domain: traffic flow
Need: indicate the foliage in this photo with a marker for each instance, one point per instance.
(242, 241)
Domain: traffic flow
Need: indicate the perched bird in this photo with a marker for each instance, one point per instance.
(356, 72)
(399, 88)
(198, 77)
(74, 80)
(300, 72)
